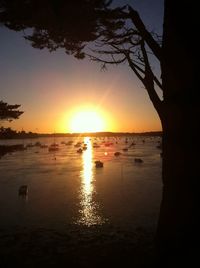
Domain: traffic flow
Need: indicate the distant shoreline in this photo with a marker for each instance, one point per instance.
(90, 134)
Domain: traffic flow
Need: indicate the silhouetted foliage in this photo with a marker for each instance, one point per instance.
(118, 34)
(9, 112)
(57, 23)
(7, 133)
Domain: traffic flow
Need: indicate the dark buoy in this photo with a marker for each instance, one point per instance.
(23, 190)
(138, 160)
(98, 164)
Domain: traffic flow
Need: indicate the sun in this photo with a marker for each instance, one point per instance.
(86, 121)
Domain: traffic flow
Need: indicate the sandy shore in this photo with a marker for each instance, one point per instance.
(76, 246)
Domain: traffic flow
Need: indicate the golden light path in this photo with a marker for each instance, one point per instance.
(89, 208)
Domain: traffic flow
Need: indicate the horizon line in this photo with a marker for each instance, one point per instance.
(98, 132)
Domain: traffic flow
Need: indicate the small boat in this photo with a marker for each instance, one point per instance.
(38, 144)
(78, 144)
(98, 164)
(107, 144)
(53, 147)
(95, 145)
(44, 146)
(69, 143)
(132, 144)
(23, 190)
(30, 145)
(138, 160)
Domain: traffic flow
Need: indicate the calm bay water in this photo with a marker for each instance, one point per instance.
(65, 187)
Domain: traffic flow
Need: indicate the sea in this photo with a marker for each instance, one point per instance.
(66, 188)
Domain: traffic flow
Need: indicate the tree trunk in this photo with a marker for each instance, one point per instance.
(178, 225)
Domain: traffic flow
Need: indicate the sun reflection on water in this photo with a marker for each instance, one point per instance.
(89, 207)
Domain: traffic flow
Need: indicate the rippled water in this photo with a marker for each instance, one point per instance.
(65, 187)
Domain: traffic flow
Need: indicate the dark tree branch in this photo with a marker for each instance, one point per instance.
(9, 112)
(135, 68)
(144, 33)
(113, 61)
(149, 81)
(106, 52)
(158, 83)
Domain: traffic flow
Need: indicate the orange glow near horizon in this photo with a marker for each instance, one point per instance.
(87, 119)
(79, 117)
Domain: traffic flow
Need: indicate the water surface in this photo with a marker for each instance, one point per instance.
(65, 187)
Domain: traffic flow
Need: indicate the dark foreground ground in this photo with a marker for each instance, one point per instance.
(77, 247)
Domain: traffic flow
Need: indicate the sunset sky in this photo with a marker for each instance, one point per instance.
(53, 88)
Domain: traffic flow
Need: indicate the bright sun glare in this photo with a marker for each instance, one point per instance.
(86, 121)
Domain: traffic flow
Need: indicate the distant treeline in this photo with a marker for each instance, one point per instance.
(8, 133)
